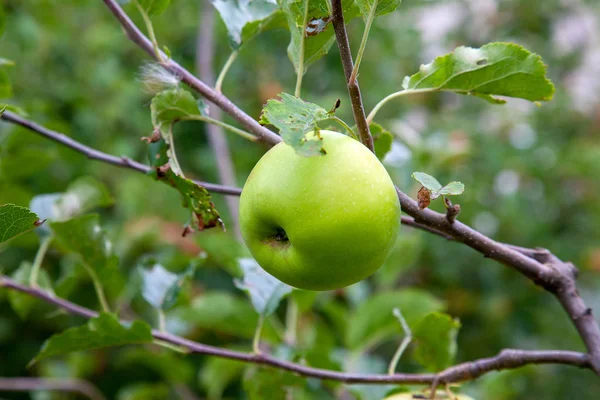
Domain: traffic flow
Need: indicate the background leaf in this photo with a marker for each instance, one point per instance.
(435, 339)
(383, 7)
(23, 303)
(496, 69)
(373, 320)
(265, 290)
(16, 220)
(102, 331)
(160, 287)
(154, 7)
(84, 236)
(382, 140)
(245, 16)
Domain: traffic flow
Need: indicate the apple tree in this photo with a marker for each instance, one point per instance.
(131, 268)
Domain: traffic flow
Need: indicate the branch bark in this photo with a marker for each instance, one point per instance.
(506, 359)
(136, 36)
(94, 154)
(205, 50)
(61, 385)
(353, 88)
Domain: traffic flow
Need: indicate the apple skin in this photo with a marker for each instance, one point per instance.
(323, 222)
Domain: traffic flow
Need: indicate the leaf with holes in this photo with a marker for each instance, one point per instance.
(435, 340)
(295, 118)
(496, 69)
(103, 331)
(204, 215)
(170, 105)
(265, 290)
(16, 220)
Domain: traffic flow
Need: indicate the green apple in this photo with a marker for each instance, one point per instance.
(322, 222)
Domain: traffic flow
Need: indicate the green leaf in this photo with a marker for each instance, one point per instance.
(84, 236)
(4, 62)
(316, 45)
(12, 108)
(453, 188)
(161, 288)
(154, 7)
(2, 19)
(496, 69)
(16, 220)
(383, 140)
(217, 373)
(144, 391)
(81, 196)
(428, 181)
(435, 339)
(221, 312)
(245, 19)
(265, 383)
(204, 215)
(373, 320)
(295, 118)
(170, 105)
(169, 365)
(435, 187)
(265, 290)
(383, 7)
(5, 87)
(23, 303)
(103, 331)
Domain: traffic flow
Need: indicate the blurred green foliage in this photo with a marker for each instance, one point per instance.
(530, 175)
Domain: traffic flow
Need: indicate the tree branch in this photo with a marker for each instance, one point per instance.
(507, 359)
(555, 275)
(61, 385)
(94, 154)
(205, 50)
(353, 88)
(136, 36)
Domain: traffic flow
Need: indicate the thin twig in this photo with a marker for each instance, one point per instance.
(363, 42)
(353, 88)
(224, 70)
(136, 36)
(74, 385)
(300, 72)
(403, 345)
(507, 359)
(39, 258)
(100, 156)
